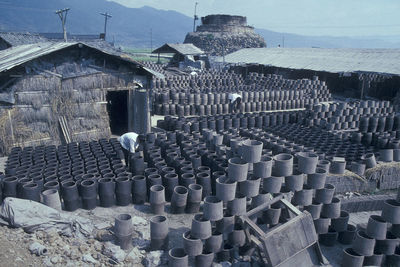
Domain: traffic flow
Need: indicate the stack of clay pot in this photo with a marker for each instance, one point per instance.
(379, 243)
(208, 93)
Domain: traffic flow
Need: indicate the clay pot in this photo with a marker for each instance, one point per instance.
(250, 187)
(314, 209)
(237, 169)
(225, 189)
(139, 189)
(89, 194)
(170, 180)
(351, 258)
(357, 168)
(205, 259)
(340, 223)
(263, 168)
(192, 246)
(157, 199)
(10, 186)
(376, 227)
(317, 180)
(303, 197)
(370, 161)
(106, 192)
(123, 191)
(179, 199)
(237, 206)
(328, 239)
(272, 184)
(307, 162)
(51, 198)
(187, 179)
(347, 237)
(283, 165)
(212, 208)
(324, 164)
(295, 181)
(251, 151)
(393, 260)
(374, 260)
(322, 225)
(225, 225)
(386, 155)
(123, 229)
(325, 195)
(215, 242)
(237, 237)
(227, 253)
(388, 245)
(331, 210)
(177, 257)
(194, 198)
(70, 195)
(158, 232)
(363, 244)
(201, 227)
(337, 167)
(204, 179)
(391, 211)
(271, 216)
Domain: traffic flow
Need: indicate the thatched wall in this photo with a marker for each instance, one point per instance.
(63, 85)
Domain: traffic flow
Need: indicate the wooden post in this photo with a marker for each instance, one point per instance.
(11, 127)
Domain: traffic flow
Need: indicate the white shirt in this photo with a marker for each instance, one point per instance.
(232, 97)
(129, 141)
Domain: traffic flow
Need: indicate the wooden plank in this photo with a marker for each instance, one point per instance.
(263, 206)
(288, 239)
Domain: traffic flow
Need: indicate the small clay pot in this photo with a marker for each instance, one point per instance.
(201, 227)
(376, 227)
(351, 258)
(347, 237)
(192, 246)
(177, 257)
(340, 223)
(363, 244)
(212, 208)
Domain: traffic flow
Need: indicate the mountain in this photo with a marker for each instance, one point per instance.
(132, 26)
(128, 26)
(293, 40)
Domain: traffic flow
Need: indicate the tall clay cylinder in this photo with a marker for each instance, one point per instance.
(158, 232)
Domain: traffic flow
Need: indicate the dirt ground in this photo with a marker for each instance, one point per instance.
(14, 243)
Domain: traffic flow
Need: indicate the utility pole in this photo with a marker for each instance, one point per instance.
(63, 19)
(106, 16)
(195, 16)
(151, 40)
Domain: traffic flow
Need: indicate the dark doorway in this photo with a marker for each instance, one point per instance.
(117, 106)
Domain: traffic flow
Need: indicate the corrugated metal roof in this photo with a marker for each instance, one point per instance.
(21, 38)
(21, 54)
(17, 55)
(184, 49)
(321, 59)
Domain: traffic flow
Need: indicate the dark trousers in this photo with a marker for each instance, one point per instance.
(235, 105)
(127, 156)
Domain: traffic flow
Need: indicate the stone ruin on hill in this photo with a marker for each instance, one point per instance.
(223, 34)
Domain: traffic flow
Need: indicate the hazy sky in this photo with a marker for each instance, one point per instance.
(309, 17)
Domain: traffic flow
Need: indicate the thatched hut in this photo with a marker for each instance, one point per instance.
(89, 92)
